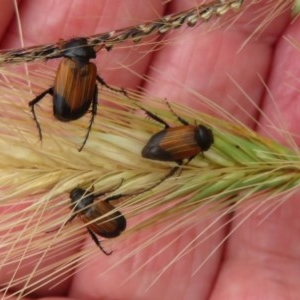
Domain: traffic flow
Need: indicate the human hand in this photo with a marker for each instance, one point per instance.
(259, 260)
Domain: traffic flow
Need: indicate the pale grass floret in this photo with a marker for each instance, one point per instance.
(37, 176)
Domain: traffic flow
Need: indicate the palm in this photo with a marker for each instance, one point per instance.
(259, 260)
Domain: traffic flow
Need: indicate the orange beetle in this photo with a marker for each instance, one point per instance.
(82, 202)
(177, 143)
(75, 88)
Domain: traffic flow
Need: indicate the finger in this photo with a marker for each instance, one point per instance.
(262, 257)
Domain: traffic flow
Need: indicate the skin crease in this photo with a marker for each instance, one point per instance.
(262, 259)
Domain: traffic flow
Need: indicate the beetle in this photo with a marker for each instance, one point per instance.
(177, 143)
(75, 86)
(83, 205)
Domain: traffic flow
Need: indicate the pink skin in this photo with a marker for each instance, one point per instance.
(261, 260)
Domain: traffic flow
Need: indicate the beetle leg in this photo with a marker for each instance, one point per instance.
(102, 82)
(98, 243)
(115, 197)
(154, 117)
(181, 120)
(111, 197)
(94, 112)
(171, 173)
(33, 102)
(190, 159)
(71, 218)
(68, 221)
